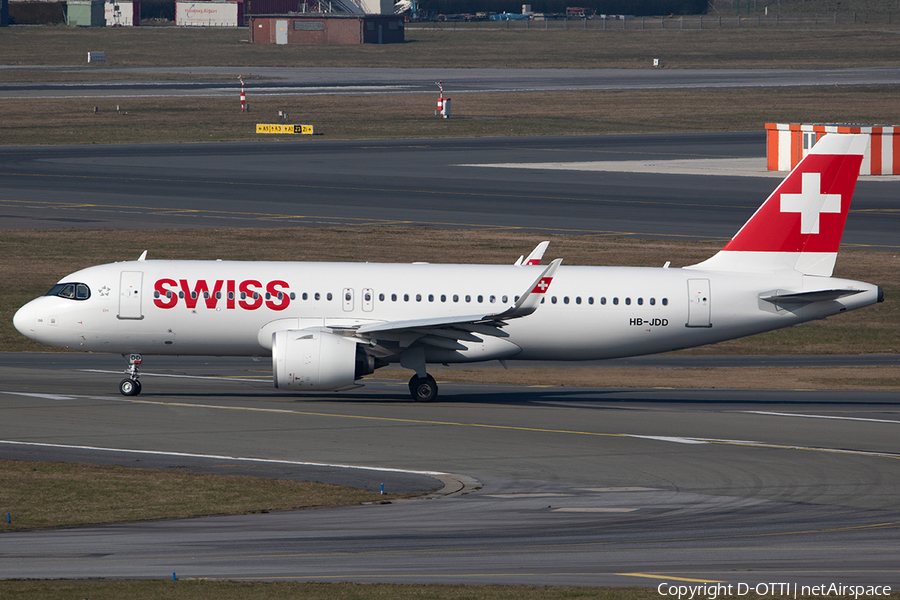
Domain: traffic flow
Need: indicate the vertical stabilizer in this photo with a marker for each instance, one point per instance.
(799, 227)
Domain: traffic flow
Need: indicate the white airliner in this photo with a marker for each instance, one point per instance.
(326, 325)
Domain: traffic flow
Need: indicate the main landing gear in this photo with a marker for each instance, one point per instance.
(422, 386)
(423, 389)
(131, 386)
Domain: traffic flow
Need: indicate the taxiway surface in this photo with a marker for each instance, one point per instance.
(297, 81)
(584, 486)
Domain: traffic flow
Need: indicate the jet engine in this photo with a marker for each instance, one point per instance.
(306, 360)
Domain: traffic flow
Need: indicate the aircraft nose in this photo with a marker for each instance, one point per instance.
(25, 320)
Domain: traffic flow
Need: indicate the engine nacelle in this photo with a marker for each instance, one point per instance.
(313, 361)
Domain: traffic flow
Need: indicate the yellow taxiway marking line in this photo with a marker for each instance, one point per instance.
(684, 440)
(652, 576)
(672, 439)
(369, 418)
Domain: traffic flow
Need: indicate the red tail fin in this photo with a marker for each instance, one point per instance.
(800, 225)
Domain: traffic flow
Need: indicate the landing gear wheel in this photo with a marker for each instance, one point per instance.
(423, 389)
(130, 387)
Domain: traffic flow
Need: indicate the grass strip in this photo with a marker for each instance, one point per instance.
(53, 494)
(451, 45)
(51, 121)
(220, 590)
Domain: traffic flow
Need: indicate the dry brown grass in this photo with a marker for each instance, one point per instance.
(144, 120)
(449, 45)
(45, 494)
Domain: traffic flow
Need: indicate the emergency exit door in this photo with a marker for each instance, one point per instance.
(698, 303)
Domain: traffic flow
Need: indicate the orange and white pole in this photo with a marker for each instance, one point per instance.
(243, 96)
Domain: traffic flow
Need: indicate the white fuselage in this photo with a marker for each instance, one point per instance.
(147, 307)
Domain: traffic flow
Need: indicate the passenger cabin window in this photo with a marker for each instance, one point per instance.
(71, 291)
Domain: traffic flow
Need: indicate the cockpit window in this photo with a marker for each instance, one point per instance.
(73, 291)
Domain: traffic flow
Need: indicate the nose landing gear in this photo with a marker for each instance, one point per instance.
(131, 386)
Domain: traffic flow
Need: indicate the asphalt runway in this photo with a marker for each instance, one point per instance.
(542, 485)
(294, 81)
(451, 183)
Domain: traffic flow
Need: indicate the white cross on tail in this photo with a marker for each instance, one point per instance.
(810, 202)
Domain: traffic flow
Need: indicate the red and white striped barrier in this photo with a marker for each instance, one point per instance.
(788, 143)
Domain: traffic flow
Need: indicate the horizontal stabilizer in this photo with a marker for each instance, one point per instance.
(810, 297)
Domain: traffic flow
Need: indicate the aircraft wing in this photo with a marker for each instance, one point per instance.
(441, 331)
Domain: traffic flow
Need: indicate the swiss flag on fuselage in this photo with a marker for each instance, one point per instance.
(807, 212)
